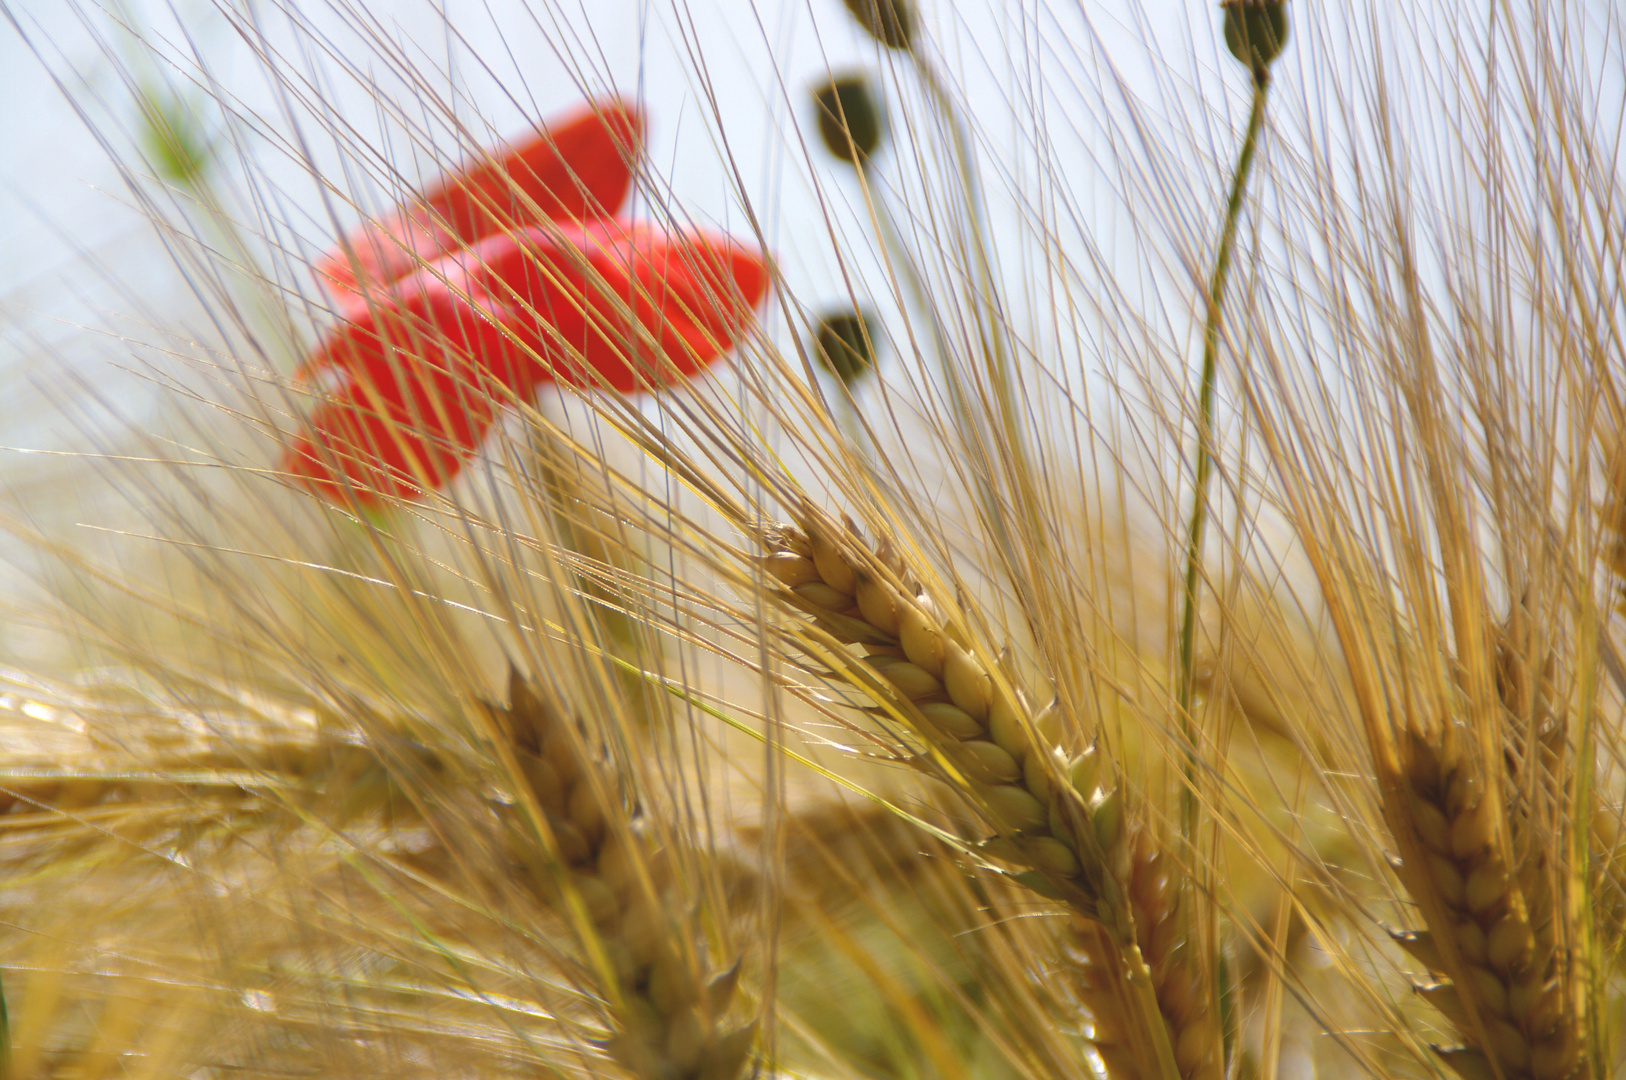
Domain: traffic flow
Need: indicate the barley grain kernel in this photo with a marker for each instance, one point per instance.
(791, 569)
(1471, 942)
(1555, 1058)
(922, 640)
(1447, 879)
(1107, 819)
(1005, 726)
(911, 680)
(952, 719)
(686, 1037)
(543, 780)
(1432, 827)
(1037, 770)
(1510, 942)
(1488, 990)
(1487, 886)
(1548, 1012)
(967, 683)
(560, 750)
(1508, 1046)
(1471, 831)
(643, 931)
(823, 596)
(1468, 1063)
(725, 1058)
(586, 811)
(1052, 856)
(986, 762)
(1082, 773)
(1160, 943)
(572, 845)
(1464, 791)
(1525, 994)
(672, 986)
(1014, 808)
(1059, 827)
(1192, 1048)
(617, 863)
(878, 603)
(833, 568)
(602, 905)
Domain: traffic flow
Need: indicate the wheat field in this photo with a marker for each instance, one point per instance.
(1084, 542)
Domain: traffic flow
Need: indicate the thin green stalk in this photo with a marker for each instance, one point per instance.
(1205, 452)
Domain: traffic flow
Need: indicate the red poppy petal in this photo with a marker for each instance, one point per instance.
(411, 399)
(579, 167)
(591, 300)
(377, 453)
(419, 371)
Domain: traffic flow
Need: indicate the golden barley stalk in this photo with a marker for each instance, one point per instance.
(1070, 825)
(1494, 897)
(669, 1016)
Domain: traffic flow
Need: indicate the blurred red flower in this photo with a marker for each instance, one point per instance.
(504, 276)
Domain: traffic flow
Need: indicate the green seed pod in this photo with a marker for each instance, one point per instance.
(891, 22)
(844, 345)
(851, 118)
(1255, 32)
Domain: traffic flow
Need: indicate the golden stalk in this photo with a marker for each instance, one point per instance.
(1071, 826)
(669, 1016)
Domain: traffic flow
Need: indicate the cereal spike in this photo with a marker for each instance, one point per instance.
(1509, 989)
(668, 1016)
(1076, 846)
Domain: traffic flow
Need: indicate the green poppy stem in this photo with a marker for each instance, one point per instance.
(1205, 454)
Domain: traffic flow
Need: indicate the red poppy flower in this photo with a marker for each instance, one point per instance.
(578, 168)
(426, 353)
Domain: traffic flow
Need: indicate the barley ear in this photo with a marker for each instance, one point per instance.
(668, 1014)
(1495, 928)
(1073, 828)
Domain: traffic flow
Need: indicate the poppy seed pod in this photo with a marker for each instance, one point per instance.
(1255, 31)
(891, 22)
(849, 118)
(845, 345)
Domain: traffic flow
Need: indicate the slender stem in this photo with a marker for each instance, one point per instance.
(1205, 453)
(5, 1038)
(900, 257)
(989, 318)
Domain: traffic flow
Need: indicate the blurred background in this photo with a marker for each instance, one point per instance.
(161, 191)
